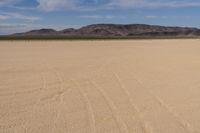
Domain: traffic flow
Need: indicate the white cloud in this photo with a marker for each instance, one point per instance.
(151, 16)
(97, 16)
(11, 15)
(4, 17)
(50, 5)
(157, 17)
(8, 2)
(155, 3)
(126, 2)
(12, 28)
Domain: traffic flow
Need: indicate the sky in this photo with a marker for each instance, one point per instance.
(23, 15)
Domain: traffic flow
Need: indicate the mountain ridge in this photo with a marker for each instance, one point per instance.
(116, 30)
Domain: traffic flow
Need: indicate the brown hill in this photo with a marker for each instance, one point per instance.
(118, 30)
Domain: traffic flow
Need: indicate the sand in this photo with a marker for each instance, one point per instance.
(132, 86)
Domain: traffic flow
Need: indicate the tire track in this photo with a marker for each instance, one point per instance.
(146, 127)
(90, 111)
(183, 124)
(121, 124)
(58, 95)
(61, 83)
(44, 81)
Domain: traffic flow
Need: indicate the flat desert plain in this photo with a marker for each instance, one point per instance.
(127, 86)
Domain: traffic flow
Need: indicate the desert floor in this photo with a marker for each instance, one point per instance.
(132, 86)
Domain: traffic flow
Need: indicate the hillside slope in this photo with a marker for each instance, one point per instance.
(117, 30)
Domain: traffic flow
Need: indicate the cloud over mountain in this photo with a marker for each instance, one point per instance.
(12, 15)
(50, 5)
(83, 12)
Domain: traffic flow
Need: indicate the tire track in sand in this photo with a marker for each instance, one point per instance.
(184, 124)
(59, 97)
(61, 91)
(61, 84)
(90, 111)
(146, 127)
(121, 124)
(44, 81)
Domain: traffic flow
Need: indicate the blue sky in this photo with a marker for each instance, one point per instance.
(24, 15)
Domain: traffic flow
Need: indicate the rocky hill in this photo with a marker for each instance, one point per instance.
(114, 30)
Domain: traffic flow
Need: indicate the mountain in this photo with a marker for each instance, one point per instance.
(115, 30)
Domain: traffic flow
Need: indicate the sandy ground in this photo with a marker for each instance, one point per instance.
(139, 86)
